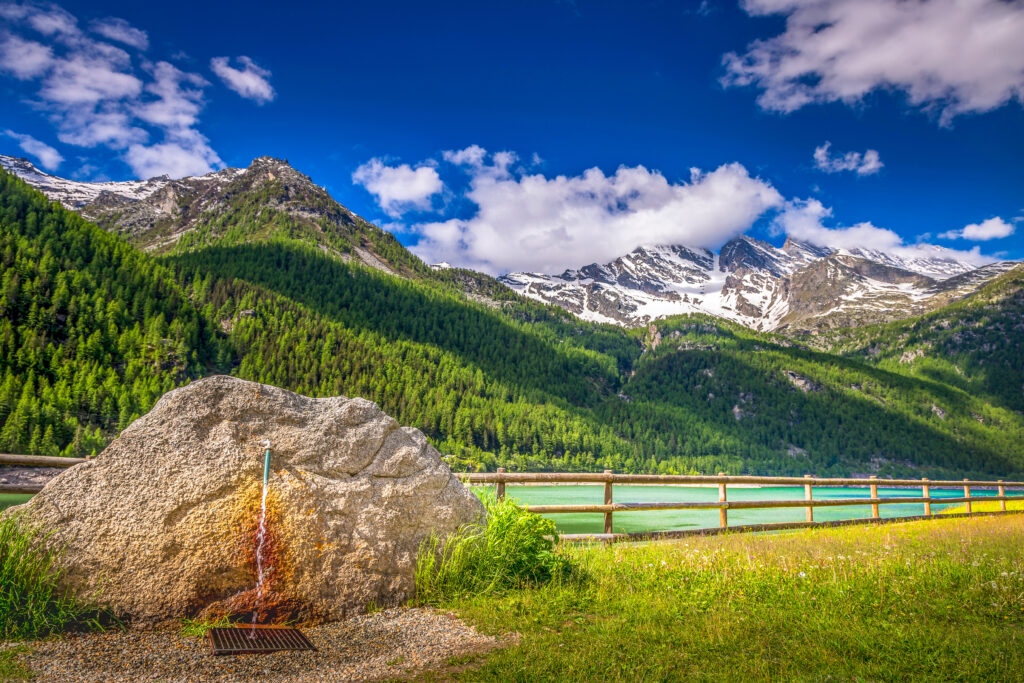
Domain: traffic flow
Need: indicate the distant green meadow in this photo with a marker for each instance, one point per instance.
(9, 499)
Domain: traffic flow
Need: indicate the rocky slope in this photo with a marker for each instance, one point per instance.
(798, 287)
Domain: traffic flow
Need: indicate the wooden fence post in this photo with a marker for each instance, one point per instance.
(874, 496)
(723, 514)
(967, 494)
(1002, 494)
(500, 489)
(808, 496)
(926, 493)
(608, 501)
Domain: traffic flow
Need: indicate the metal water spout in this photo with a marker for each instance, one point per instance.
(266, 462)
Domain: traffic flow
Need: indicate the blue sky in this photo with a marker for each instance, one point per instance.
(920, 102)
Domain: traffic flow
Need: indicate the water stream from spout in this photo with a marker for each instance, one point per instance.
(261, 537)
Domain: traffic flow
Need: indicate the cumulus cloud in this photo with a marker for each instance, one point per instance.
(122, 32)
(399, 188)
(48, 157)
(96, 94)
(804, 219)
(251, 81)
(177, 159)
(953, 56)
(991, 229)
(867, 163)
(533, 222)
(470, 156)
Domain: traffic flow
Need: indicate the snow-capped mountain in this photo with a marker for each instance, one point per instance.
(138, 206)
(74, 194)
(797, 287)
(228, 206)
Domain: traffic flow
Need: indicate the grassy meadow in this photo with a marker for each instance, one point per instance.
(935, 600)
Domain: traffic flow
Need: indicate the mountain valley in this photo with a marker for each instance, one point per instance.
(261, 274)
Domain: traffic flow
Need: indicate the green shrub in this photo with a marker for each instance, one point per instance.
(514, 548)
(32, 601)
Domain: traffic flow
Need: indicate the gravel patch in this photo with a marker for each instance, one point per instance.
(391, 644)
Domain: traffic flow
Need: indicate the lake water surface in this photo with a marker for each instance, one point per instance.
(663, 520)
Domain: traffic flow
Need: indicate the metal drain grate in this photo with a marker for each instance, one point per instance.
(239, 640)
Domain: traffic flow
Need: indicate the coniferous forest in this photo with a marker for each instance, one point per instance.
(93, 331)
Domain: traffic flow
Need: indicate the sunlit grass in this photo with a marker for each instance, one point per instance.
(198, 627)
(34, 601)
(988, 506)
(935, 600)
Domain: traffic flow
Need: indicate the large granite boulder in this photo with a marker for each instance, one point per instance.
(163, 522)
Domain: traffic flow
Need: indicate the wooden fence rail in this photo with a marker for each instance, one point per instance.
(501, 478)
(32, 461)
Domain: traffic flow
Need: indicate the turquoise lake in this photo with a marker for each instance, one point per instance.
(662, 520)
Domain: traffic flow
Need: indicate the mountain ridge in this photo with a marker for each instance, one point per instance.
(797, 288)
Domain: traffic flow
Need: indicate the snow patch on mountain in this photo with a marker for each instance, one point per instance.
(74, 194)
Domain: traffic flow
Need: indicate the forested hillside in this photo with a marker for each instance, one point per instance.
(773, 401)
(93, 331)
(976, 345)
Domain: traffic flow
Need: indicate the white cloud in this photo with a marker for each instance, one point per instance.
(121, 31)
(89, 77)
(803, 219)
(50, 20)
(95, 94)
(174, 106)
(532, 222)
(399, 188)
(22, 58)
(48, 157)
(176, 159)
(867, 163)
(106, 124)
(470, 156)
(251, 81)
(954, 56)
(991, 229)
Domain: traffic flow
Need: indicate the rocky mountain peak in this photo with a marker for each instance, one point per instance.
(804, 250)
(747, 252)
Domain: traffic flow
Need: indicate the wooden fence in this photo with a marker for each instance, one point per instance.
(501, 478)
(32, 461)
